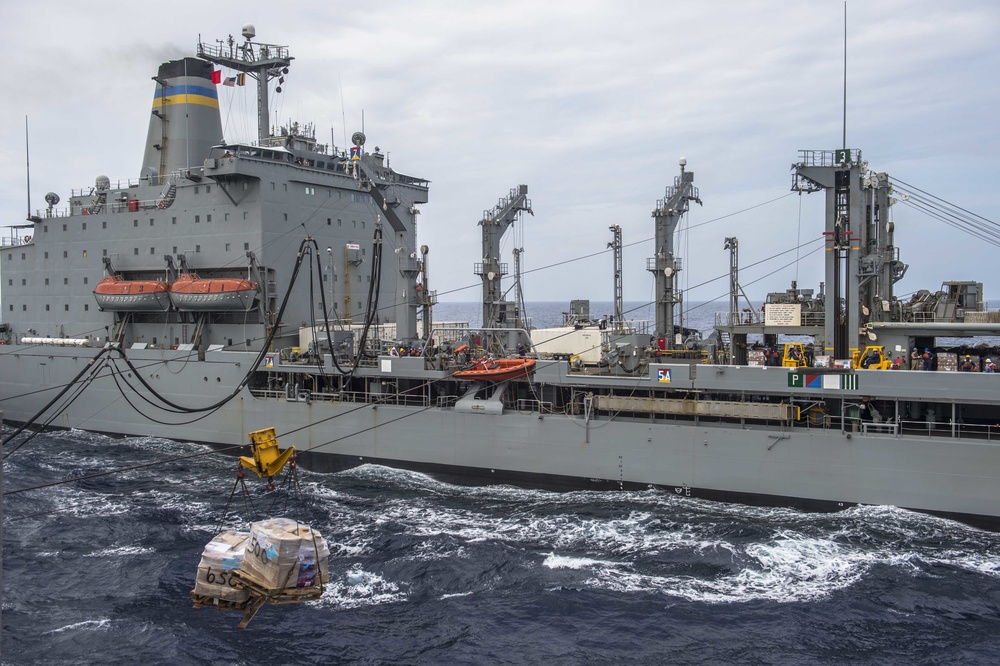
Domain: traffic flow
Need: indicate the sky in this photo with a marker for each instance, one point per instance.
(590, 104)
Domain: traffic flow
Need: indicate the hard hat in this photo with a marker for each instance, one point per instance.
(967, 356)
(989, 360)
(927, 348)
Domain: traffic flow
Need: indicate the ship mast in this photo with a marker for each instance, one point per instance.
(665, 265)
(262, 62)
(495, 222)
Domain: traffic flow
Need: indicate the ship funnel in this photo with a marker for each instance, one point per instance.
(184, 122)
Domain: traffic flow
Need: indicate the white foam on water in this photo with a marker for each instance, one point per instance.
(634, 541)
(103, 623)
(121, 551)
(553, 561)
(456, 594)
(359, 588)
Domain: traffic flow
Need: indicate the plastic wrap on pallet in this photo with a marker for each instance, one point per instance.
(283, 553)
(222, 555)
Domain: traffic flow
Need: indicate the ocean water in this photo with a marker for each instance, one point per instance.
(422, 572)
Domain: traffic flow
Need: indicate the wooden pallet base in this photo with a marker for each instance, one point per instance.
(259, 595)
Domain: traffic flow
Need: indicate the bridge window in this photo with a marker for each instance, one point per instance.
(84, 226)
(104, 224)
(135, 223)
(208, 218)
(197, 219)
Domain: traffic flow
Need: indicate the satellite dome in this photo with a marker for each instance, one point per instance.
(51, 199)
(248, 31)
(103, 182)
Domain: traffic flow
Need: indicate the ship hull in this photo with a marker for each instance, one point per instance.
(807, 467)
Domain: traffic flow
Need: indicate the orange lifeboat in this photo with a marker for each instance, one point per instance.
(192, 293)
(495, 370)
(117, 293)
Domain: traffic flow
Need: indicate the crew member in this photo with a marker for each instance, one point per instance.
(916, 362)
(967, 365)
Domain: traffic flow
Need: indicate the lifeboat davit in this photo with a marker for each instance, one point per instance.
(192, 293)
(117, 293)
(495, 370)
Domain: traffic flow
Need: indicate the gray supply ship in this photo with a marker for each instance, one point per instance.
(237, 286)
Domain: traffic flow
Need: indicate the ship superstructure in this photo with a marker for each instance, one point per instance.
(277, 283)
(222, 211)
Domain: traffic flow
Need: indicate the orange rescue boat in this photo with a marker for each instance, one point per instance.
(190, 292)
(116, 293)
(495, 370)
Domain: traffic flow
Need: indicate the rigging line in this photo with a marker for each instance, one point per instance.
(55, 414)
(117, 371)
(253, 366)
(767, 275)
(963, 220)
(971, 219)
(88, 367)
(115, 376)
(121, 470)
(720, 277)
(912, 187)
(368, 429)
(977, 234)
(624, 245)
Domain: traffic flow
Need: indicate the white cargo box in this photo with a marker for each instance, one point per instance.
(567, 341)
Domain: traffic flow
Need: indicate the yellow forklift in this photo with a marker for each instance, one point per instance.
(872, 358)
(794, 355)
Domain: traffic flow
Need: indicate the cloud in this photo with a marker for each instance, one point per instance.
(589, 103)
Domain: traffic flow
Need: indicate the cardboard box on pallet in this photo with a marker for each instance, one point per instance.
(283, 553)
(222, 555)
